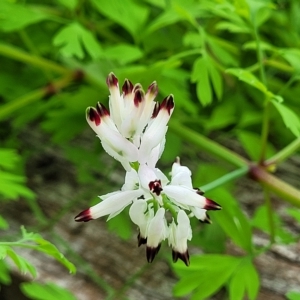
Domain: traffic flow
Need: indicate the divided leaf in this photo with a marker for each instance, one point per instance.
(74, 39)
(290, 119)
(244, 281)
(126, 13)
(206, 76)
(249, 78)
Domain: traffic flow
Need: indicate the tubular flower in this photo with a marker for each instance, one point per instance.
(133, 132)
(134, 128)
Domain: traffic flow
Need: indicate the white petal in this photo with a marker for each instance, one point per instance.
(184, 196)
(139, 216)
(183, 232)
(146, 175)
(115, 203)
(157, 230)
(199, 213)
(131, 180)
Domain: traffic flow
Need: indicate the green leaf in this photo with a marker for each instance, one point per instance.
(17, 16)
(292, 55)
(261, 220)
(294, 212)
(123, 53)
(48, 291)
(12, 186)
(223, 115)
(290, 119)
(23, 265)
(200, 75)
(127, 13)
(232, 220)
(3, 223)
(210, 271)
(73, 37)
(70, 4)
(121, 225)
(48, 248)
(4, 273)
(8, 158)
(215, 79)
(291, 295)
(250, 140)
(3, 252)
(244, 281)
(249, 78)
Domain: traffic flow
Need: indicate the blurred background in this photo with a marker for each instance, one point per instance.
(224, 61)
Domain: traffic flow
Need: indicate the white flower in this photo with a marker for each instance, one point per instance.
(157, 231)
(133, 132)
(179, 234)
(134, 128)
(114, 203)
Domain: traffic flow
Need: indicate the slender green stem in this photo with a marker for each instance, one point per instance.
(270, 215)
(284, 153)
(10, 107)
(205, 143)
(264, 132)
(224, 179)
(259, 56)
(274, 184)
(31, 47)
(37, 211)
(20, 55)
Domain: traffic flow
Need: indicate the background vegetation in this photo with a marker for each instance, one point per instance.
(234, 69)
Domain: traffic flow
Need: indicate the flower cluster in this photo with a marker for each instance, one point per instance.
(133, 132)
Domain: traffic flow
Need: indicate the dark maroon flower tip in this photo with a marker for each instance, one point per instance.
(185, 257)
(207, 219)
(101, 109)
(153, 89)
(112, 80)
(155, 187)
(137, 86)
(199, 192)
(156, 110)
(211, 205)
(138, 97)
(127, 87)
(84, 216)
(93, 115)
(151, 252)
(168, 103)
(141, 240)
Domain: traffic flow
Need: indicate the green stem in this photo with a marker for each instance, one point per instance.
(260, 57)
(264, 132)
(284, 153)
(224, 179)
(279, 187)
(270, 215)
(10, 107)
(37, 211)
(279, 65)
(20, 55)
(205, 143)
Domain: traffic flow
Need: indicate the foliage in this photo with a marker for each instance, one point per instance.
(233, 67)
